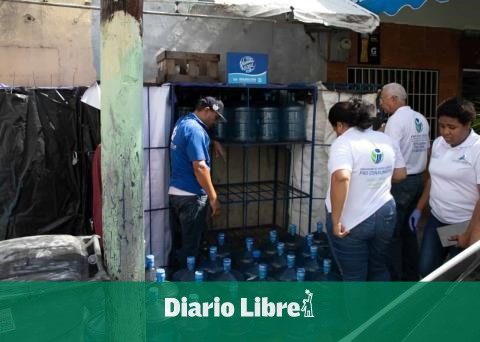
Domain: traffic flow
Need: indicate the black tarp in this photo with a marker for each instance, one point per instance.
(47, 137)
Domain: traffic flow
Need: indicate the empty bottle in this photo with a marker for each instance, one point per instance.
(187, 274)
(262, 274)
(228, 274)
(289, 274)
(325, 273)
(246, 259)
(293, 241)
(252, 271)
(304, 253)
(222, 249)
(150, 267)
(199, 276)
(270, 248)
(312, 265)
(212, 266)
(300, 274)
(160, 275)
(279, 262)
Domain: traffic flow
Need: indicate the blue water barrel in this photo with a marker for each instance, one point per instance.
(293, 123)
(268, 124)
(243, 125)
(221, 128)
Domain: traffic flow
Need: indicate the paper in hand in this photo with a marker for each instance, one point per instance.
(452, 229)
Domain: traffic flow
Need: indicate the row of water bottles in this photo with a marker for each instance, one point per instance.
(295, 259)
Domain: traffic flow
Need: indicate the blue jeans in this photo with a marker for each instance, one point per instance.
(432, 253)
(404, 265)
(363, 254)
(188, 221)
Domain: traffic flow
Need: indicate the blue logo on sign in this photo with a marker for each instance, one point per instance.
(376, 156)
(247, 64)
(418, 125)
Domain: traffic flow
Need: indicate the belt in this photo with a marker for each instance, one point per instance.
(415, 174)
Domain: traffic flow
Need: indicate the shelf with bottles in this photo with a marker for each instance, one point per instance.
(257, 192)
(269, 115)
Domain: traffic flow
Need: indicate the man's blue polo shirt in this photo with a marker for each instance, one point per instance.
(189, 143)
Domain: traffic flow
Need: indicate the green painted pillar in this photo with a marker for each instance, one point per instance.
(121, 130)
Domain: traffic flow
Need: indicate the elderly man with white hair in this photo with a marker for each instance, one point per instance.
(411, 130)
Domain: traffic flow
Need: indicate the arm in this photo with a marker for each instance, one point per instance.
(338, 195)
(399, 174)
(219, 150)
(202, 174)
(423, 200)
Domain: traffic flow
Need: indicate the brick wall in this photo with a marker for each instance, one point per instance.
(412, 47)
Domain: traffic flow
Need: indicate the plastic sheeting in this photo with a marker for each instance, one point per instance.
(324, 136)
(340, 13)
(44, 162)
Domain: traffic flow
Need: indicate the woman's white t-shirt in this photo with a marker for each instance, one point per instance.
(371, 157)
(454, 176)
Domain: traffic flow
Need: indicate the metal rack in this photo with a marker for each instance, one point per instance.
(266, 195)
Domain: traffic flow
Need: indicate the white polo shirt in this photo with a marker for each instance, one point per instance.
(412, 132)
(454, 175)
(371, 157)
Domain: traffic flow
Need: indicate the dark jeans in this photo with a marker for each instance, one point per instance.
(404, 263)
(363, 254)
(432, 253)
(188, 221)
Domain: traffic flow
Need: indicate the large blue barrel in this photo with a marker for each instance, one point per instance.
(243, 125)
(293, 123)
(221, 128)
(268, 124)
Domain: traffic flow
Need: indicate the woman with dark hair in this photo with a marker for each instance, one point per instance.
(360, 209)
(452, 191)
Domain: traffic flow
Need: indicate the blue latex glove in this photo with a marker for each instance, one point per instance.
(413, 220)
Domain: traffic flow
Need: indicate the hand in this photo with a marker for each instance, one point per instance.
(413, 219)
(216, 208)
(463, 240)
(219, 150)
(339, 230)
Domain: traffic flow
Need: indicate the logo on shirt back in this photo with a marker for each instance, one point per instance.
(376, 156)
(418, 125)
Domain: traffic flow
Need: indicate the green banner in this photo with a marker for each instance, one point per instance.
(210, 311)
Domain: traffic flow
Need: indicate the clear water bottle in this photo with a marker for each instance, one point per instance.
(325, 272)
(228, 274)
(304, 253)
(160, 276)
(212, 266)
(262, 274)
(279, 262)
(246, 259)
(270, 248)
(186, 274)
(150, 267)
(289, 274)
(222, 248)
(312, 265)
(199, 276)
(293, 241)
(252, 271)
(300, 274)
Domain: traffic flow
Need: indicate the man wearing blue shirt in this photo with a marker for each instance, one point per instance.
(190, 182)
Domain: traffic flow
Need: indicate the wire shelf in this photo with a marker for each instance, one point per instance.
(257, 192)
